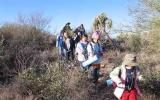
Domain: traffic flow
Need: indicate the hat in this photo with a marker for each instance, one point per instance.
(130, 60)
(96, 35)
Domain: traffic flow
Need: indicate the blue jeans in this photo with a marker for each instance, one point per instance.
(60, 51)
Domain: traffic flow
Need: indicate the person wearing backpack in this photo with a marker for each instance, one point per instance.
(60, 43)
(69, 47)
(126, 78)
(81, 50)
(94, 49)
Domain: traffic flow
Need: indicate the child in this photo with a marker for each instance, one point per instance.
(69, 47)
(126, 78)
(60, 44)
(95, 49)
(81, 50)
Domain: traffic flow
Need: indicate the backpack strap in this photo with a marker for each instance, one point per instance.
(120, 72)
(93, 48)
(84, 49)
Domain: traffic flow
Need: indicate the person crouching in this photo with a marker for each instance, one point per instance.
(126, 78)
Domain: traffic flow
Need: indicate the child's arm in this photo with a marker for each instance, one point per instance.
(139, 76)
(79, 49)
(114, 75)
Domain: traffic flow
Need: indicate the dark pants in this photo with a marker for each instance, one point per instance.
(95, 72)
(70, 55)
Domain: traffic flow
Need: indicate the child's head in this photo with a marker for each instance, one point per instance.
(130, 60)
(84, 37)
(96, 36)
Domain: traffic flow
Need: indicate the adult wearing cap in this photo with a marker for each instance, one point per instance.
(126, 78)
(94, 49)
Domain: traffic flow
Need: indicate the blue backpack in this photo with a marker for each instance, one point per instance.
(60, 41)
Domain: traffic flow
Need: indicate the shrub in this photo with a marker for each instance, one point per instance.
(130, 42)
(150, 42)
(21, 47)
(149, 65)
(47, 81)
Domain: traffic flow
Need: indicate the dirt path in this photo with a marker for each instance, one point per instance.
(104, 92)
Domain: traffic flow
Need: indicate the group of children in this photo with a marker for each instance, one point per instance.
(86, 51)
(125, 77)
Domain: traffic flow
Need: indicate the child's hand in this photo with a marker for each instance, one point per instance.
(121, 85)
(141, 78)
(140, 94)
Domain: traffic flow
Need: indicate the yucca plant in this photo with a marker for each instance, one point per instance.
(103, 24)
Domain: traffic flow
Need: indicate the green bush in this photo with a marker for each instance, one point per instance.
(149, 65)
(47, 81)
(130, 42)
(151, 42)
(22, 46)
(151, 84)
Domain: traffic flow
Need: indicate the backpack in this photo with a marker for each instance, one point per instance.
(93, 48)
(85, 50)
(77, 38)
(60, 41)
